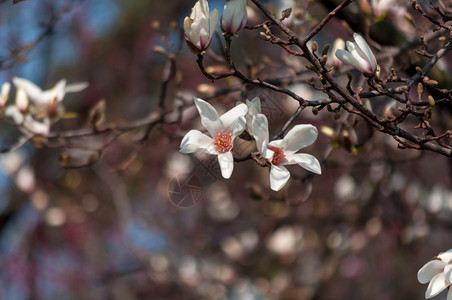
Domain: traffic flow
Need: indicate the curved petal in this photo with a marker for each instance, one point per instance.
(209, 117)
(195, 141)
(279, 176)
(254, 106)
(260, 132)
(345, 57)
(233, 121)
(76, 87)
(59, 90)
(430, 270)
(226, 161)
(213, 21)
(14, 113)
(448, 273)
(32, 90)
(298, 137)
(446, 256)
(304, 160)
(436, 286)
(362, 44)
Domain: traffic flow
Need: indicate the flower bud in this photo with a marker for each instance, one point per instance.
(200, 26)
(22, 100)
(358, 55)
(234, 16)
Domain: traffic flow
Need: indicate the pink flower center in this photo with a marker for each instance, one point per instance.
(223, 142)
(278, 155)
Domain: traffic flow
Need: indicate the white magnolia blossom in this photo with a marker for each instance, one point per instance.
(359, 55)
(223, 131)
(200, 26)
(6, 87)
(283, 152)
(46, 97)
(234, 16)
(439, 273)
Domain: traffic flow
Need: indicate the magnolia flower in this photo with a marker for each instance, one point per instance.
(223, 130)
(200, 26)
(48, 102)
(283, 152)
(6, 87)
(40, 97)
(439, 272)
(359, 55)
(234, 16)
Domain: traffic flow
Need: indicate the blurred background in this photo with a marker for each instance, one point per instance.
(144, 221)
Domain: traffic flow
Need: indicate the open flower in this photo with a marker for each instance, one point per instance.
(223, 131)
(47, 102)
(359, 55)
(234, 16)
(200, 26)
(283, 152)
(439, 272)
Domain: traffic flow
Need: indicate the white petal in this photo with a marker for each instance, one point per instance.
(436, 286)
(367, 51)
(360, 57)
(260, 132)
(233, 121)
(195, 141)
(213, 22)
(446, 256)
(209, 117)
(6, 87)
(254, 106)
(430, 270)
(76, 87)
(40, 127)
(33, 91)
(279, 176)
(21, 100)
(448, 273)
(306, 161)
(226, 161)
(348, 59)
(59, 90)
(14, 113)
(298, 137)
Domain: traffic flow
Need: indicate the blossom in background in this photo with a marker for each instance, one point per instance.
(439, 273)
(234, 16)
(283, 152)
(48, 100)
(359, 55)
(223, 130)
(381, 7)
(200, 26)
(338, 44)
